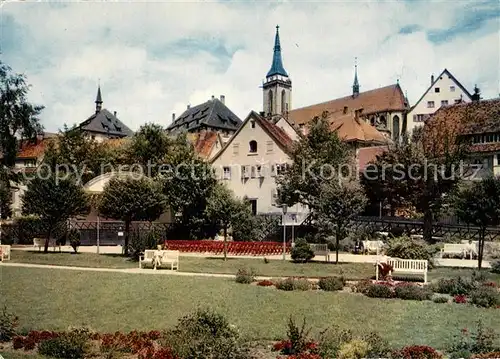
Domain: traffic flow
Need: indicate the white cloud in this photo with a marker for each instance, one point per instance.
(67, 47)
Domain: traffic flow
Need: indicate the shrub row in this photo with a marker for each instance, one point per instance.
(401, 290)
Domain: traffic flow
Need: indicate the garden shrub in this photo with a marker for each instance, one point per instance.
(408, 248)
(140, 240)
(490, 355)
(412, 292)
(8, 325)
(485, 296)
(362, 286)
(355, 349)
(298, 342)
(290, 284)
(204, 334)
(495, 267)
(416, 352)
(26, 228)
(245, 276)
(302, 251)
(467, 343)
(302, 284)
(331, 284)
(18, 342)
(460, 299)
(331, 340)
(64, 347)
(379, 347)
(440, 299)
(376, 290)
(454, 286)
(74, 239)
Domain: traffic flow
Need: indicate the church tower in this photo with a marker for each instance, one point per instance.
(278, 87)
(355, 85)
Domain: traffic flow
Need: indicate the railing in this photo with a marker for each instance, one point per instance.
(233, 248)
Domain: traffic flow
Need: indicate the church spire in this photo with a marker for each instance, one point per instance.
(355, 85)
(277, 65)
(98, 100)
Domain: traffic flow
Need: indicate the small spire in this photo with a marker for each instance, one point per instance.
(277, 65)
(98, 100)
(355, 86)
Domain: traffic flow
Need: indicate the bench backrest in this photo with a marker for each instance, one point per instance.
(170, 255)
(408, 264)
(319, 248)
(5, 248)
(149, 254)
(452, 247)
(373, 244)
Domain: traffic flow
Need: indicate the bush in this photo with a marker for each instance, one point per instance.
(65, 347)
(412, 292)
(302, 251)
(440, 299)
(355, 349)
(407, 248)
(490, 355)
(460, 299)
(140, 240)
(379, 347)
(204, 334)
(8, 324)
(331, 284)
(379, 291)
(416, 352)
(26, 228)
(331, 340)
(74, 239)
(485, 296)
(495, 267)
(362, 286)
(454, 286)
(290, 284)
(298, 341)
(482, 340)
(245, 276)
(265, 283)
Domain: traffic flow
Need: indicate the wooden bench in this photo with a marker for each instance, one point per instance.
(372, 246)
(40, 243)
(457, 248)
(4, 252)
(407, 266)
(148, 258)
(321, 250)
(169, 258)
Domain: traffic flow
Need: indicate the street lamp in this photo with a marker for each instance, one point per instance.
(284, 208)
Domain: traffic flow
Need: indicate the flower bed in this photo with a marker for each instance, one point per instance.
(233, 248)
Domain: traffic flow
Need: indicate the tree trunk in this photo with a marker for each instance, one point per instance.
(46, 246)
(337, 241)
(127, 231)
(225, 242)
(482, 234)
(427, 230)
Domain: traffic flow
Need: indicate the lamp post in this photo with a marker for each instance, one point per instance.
(284, 208)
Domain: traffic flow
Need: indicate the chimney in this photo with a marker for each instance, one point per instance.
(345, 110)
(223, 99)
(432, 79)
(188, 106)
(262, 113)
(114, 113)
(173, 117)
(213, 97)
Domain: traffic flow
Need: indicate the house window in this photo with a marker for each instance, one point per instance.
(253, 172)
(437, 89)
(430, 104)
(252, 124)
(269, 147)
(253, 206)
(420, 117)
(444, 103)
(252, 146)
(245, 172)
(283, 101)
(281, 169)
(452, 88)
(236, 149)
(498, 159)
(458, 100)
(227, 173)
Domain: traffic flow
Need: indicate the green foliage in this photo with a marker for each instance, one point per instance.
(141, 239)
(440, 299)
(331, 339)
(150, 145)
(355, 349)
(481, 340)
(8, 325)
(290, 284)
(255, 228)
(204, 334)
(379, 347)
(54, 201)
(485, 296)
(26, 228)
(5, 199)
(245, 276)
(412, 292)
(73, 237)
(331, 284)
(68, 346)
(302, 251)
(454, 286)
(130, 199)
(298, 337)
(379, 291)
(495, 267)
(18, 118)
(408, 248)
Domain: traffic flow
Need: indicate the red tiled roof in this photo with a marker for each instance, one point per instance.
(369, 154)
(351, 129)
(33, 149)
(278, 134)
(378, 100)
(203, 142)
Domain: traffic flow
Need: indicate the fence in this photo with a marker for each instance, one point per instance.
(233, 248)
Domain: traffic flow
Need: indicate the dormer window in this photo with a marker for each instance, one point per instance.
(252, 146)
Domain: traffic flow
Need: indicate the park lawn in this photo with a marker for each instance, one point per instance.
(55, 299)
(16, 354)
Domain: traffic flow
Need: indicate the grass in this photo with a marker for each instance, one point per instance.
(16, 354)
(55, 299)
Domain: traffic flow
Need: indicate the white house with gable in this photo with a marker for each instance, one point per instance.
(444, 90)
(251, 159)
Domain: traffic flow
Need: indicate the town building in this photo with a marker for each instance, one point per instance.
(103, 124)
(206, 143)
(212, 115)
(444, 90)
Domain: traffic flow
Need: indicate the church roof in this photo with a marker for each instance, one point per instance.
(388, 98)
(277, 65)
(105, 122)
(352, 129)
(366, 155)
(212, 114)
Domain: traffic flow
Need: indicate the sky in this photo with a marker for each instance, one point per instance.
(152, 59)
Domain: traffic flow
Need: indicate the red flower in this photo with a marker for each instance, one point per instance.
(265, 283)
(460, 299)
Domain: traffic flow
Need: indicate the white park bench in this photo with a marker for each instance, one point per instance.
(156, 258)
(458, 248)
(148, 258)
(169, 258)
(40, 243)
(321, 250)
(4, 252)
(406, 266)
(372, 246)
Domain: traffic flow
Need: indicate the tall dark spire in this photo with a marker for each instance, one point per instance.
(277, 66)
(98, 100)
(355, 85)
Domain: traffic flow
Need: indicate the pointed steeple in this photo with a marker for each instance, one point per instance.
(355, 85)
(277, 66)
(98, 100)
